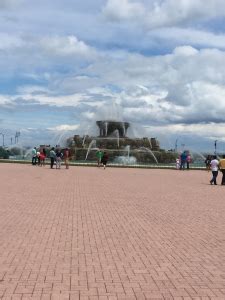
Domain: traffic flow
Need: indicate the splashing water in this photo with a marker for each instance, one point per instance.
(149, 151)
(92, 146)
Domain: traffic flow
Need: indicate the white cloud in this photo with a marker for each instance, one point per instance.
(66, 46)
(32, 89)
(185, 86)
(60, 101)
(59, 65)
(209, 131)
(5, 99)
(10, 3)
(188, 36)
(163, 13)
(171, 12)
(117, 10)
(10, 42)
(64, 127)
(185, 51)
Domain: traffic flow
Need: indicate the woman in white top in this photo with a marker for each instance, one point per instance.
(214, 168)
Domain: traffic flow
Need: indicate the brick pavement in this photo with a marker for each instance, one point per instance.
(91, 234)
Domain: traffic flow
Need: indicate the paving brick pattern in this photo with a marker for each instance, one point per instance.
(88, 233)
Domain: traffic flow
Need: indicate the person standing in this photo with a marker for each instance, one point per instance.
(58, 158)
(44, 155)
(222, 169)
(42, 158)
(214, 168)
(188, 160)
(52, 157)
(183, 159)
(34, 156)
(66, 156)
(99, 155)
(38, 158)
(207, 162)
(178, 163)
(104, 159)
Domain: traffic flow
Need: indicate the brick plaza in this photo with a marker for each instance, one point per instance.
(88, 234)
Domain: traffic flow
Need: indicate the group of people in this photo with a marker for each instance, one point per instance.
(56, 157)
(102, 158)
(212, 163)
(215, 165)
(38, 156)
(183, 160)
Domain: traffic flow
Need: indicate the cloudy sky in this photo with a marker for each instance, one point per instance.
(159, 64)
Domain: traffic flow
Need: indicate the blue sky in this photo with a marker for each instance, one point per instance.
(157, 64)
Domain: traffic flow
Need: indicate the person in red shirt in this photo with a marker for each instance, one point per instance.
(42, 158)
(66, 156)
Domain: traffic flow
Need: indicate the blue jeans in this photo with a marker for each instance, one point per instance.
(214, 175)
(182, 165)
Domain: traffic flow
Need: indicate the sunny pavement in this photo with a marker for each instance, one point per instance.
(88, 233)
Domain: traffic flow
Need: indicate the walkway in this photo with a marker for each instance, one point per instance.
(90, 234)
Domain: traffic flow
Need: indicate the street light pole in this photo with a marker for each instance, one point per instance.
(176, 145)
(16, 137)
(215, 144)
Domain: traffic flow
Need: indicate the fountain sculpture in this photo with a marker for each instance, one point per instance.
(113, 138)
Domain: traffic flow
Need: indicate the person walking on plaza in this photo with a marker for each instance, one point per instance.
(66, 156)
(52, 156)
(105, 159)
(99, 155)
(34, 156)
(222, 169)
(214, 168)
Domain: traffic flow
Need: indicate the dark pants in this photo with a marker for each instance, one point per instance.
(52, 162)
(182, 165)
(188, 165)
(34, 160)
(223, 178)
(214, 175)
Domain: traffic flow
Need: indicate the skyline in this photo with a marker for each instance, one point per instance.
(159, 65)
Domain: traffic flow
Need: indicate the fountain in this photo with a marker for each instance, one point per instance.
(149, 151)
(18, 151)
(83, 141)
(107, 127)
(125, 160)
(199, 154)
(116, 132)
(113, 138)
(92, 146)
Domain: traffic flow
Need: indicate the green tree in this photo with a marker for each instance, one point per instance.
(4, 153)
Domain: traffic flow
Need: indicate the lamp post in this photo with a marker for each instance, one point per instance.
(3, 139)
(16, 137)
(215, 145)
(176, 145)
